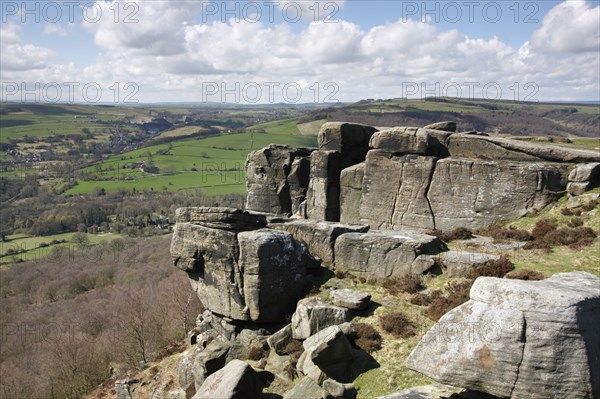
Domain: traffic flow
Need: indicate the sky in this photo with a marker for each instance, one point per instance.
(153, 51)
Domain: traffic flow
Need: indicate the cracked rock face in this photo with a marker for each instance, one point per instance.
(237, 380)
(395, 191)
(277, 179)
(422, 192)
(236, 267)
(476, 194)
(319, 237)
(351, 140)
(386, 253)
(520, 339)
(424, 178)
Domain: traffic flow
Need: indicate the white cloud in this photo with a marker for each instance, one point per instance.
(572, 26)
(169, 53)
(54, 29)
(9, 34)
(154, 28)
(17, 56)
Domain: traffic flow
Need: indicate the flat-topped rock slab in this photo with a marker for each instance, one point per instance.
(386, 253)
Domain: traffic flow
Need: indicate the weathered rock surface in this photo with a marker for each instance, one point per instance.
(319, 237)
(413, 191)
(229, 219)
(431, 177)
(423, 392)
(579, 201)
(306, 389)
(351, 140)
(477, 193)
(447, 126)
(328, 354)
(501, 149)
(177, 393)
(336, 390)
(351, 182)
(276, 178)
(411, 140)
(298, 180)
(534, 339)
(278, 341)
(274, 266)
(436, 391)
(350, 299)
(578, 188)
(457, 263)
(185, 373)
(323, 196)
(395, 191)
(209, 256)
(236, 269)
(122, 389)
(587, 172)
(237, 380)
(313, 315)
(386, 253)
(209, 360)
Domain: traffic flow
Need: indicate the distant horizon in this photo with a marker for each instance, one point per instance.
(282, 104)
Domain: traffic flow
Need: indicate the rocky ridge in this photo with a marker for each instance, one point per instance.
(359, 204)
(424, 178)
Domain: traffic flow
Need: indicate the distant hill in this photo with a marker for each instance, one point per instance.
(499, 117)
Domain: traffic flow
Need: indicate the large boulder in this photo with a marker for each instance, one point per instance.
(209, 360)
(386, 253)
(313, 315)
(274, 266)
(307, 388)
(351, 140)
(583, 177)
(587, 172)
(235, 267)
(459, 263)
(278, 341)
(336, 390)
(319, 237)
(329, 354)
(411, 140)
(209, 256)
(501, 149)
(237, 380)
(513, 338)
(477, 194)
(276, 179)
(350, 299)
(395, 191)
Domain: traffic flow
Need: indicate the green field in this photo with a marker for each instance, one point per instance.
(39, 247)
(182, 131)
(17, 121)
(214, 164)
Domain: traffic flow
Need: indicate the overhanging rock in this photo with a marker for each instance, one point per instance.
(236, 267)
